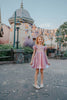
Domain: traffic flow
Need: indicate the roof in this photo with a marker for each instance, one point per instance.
(22, 15)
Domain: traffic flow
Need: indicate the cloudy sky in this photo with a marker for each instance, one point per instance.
(48, 14)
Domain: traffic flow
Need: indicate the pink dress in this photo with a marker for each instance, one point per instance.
(40, 60)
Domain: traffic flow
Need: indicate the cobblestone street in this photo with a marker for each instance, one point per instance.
(16, 82)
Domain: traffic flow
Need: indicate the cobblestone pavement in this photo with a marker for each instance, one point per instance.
(16, 82)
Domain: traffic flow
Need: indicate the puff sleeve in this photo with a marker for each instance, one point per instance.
(45, 47)
(34, 47)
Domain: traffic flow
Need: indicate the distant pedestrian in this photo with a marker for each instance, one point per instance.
(39, 59)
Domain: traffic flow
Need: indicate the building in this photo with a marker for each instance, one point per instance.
(4, 32)
(49, 36)
(27, 29)
(23, 16)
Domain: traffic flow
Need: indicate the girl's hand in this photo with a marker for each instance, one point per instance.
(31, 63)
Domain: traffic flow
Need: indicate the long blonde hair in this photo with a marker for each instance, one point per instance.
(41, 38)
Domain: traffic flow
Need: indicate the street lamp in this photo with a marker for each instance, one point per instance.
(51, 41)
(57, 40)
(14, 29)
(17, 27)
(42, 31)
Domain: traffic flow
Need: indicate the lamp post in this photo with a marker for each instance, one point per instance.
(51, 41)
(57, 40)
(14, 29)
(42, 31)
(17, 27)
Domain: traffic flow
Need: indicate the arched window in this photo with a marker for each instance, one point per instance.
(1, 32)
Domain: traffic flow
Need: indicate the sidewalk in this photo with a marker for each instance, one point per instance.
(16, 82)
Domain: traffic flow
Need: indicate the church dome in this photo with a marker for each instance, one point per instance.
(22, 15)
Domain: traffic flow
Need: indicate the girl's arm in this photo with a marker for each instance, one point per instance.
(33, 56)
(46, 57)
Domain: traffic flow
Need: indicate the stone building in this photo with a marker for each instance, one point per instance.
(49, 36)
(23, 16)
(27, 29)
(4, 32)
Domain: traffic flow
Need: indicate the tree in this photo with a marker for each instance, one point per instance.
(64, 33)
(61, 34)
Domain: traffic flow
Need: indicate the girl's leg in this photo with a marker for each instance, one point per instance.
(36, 75)
(41, 70)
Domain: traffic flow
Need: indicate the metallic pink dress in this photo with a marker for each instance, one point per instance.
(40, 60)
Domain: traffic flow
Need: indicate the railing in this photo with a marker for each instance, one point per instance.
(16, 56)
(6, 55)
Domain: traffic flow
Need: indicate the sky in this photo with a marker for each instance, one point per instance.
(47, 14)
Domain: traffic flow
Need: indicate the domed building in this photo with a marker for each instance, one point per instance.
(28, 29)
(23, 16)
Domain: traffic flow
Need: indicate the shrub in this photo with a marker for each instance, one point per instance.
(5, 46)
(27, 50)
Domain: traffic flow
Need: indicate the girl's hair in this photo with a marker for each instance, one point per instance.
(41, 38)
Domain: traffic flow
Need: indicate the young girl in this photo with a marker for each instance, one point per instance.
(39, 59)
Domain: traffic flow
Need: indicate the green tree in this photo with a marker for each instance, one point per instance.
(61, 34)
(64, 33)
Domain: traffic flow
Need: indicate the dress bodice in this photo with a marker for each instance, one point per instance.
(39, 47)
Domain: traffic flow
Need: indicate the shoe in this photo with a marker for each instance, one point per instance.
(41, 86)
(36, 86)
